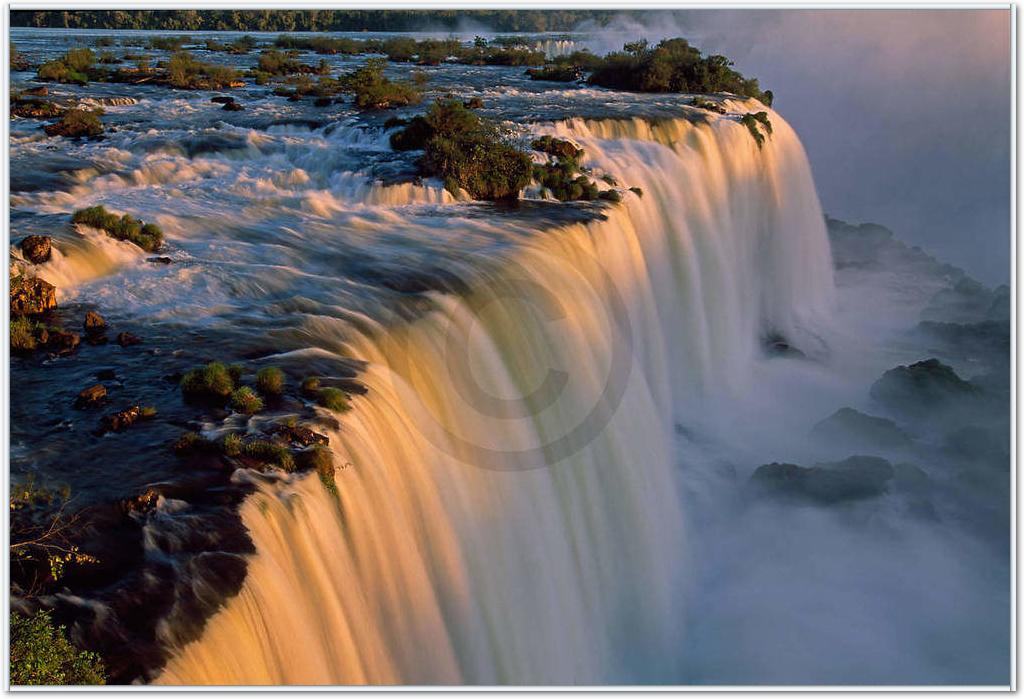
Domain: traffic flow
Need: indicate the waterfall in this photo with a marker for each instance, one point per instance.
(508, 502)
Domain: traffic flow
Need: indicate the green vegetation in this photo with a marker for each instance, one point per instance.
(671, 66)
(311, 20)
(321, 459)
(561, 176)
(333, 399)
(753, 122)
(708, 105)
(309, 387)
(212, 381)
(275, 62)
(326, 45)
(244, 400)
(74, 67)
(185, 72)
(77, 123)
(270, 453)
(466, 151)
(270, 381)
(562, 73)
(373, 90)
(23, 335)
(147, 236)
(192, 442)
(42, 655)
(169, 43)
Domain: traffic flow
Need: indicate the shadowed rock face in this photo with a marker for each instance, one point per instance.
(848, 427)
(921, 388)
(32, 296)
(855, 478)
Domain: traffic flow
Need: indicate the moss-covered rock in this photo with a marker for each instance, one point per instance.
(211, 382)
(147, 236)
(270, 381)
(244, 400)
(32, 296)
(77, 123)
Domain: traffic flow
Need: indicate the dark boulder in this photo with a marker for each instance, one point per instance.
(36, 248)
(297, 434)
(61, 342)
(232, 107)
(222, 99)
(161, 260)
(124, 419)
(473, 103)
(41, 91)
(848, 428)
(32, 296)
(94, 323)
(921, 388)
(127, 339)
(322, 102)
(855, 478)
(91, 396)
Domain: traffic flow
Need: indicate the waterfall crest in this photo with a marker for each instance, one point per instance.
(507, 506)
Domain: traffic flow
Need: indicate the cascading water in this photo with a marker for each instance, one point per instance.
(507, 509)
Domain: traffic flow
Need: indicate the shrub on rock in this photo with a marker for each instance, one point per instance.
(76, 123)
(209, 382)
(147, 236)
(244, 400)
(333, 399)
(270, 381)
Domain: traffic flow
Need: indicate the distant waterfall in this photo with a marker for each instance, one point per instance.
(508, 504)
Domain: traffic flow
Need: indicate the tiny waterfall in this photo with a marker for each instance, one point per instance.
(507, 505)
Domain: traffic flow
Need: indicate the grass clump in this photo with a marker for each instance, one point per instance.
(754, 123)
(76, 66)
(42, 655)
(77, 123)
(270, 381)
(277, 62)
(310, 386)
(23, 335)
(232, 445)
(333, 399)
(269, 453)
(147, 236)
(466, 151)
(373, 90)
(187, 73)
(211, 381)
(244, 400)
(320, 459)
(559, 73)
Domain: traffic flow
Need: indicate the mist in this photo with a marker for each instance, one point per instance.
(905, 114)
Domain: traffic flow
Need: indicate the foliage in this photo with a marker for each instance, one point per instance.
(321, 459)
(373, 90)
(333, 399)
(169, 43)
(244, 400)
(42, 655)
(466, 151)
(269, 452)
(562, 73)
(185, 72)
(309, 387)
(74, 67)
(753, 122)
(77, 123)
(23, 335)
(276, 62)
(210, 381)
(232, 444)
(671, 66)
(147, 236)
(270, 381)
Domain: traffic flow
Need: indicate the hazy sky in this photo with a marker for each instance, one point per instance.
(905, 114)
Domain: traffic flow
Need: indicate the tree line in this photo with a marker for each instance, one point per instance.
(310, 20)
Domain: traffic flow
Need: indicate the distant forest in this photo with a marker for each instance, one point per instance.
(311, 20)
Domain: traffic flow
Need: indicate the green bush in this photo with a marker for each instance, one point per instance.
(76, 123)
(320, 459)
(270, 381)
(466, 151)
(210, 381)
(23, 335)
(244, 400)
(753, 122)
(333, 399)
(185, 72)
(276, 62)
(168, 43)
(232, 445)
(561, 73)
(147, 236)
(310, 386)
(373, 90)
(270, 453)
(671, 66)
(42, 655)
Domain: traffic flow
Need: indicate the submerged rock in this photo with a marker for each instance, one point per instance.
(126, 339)
(855, 478)
(91, 396)
(232, 106)
(849, 428)
(36, 248)
(124, 419)
(32, 296)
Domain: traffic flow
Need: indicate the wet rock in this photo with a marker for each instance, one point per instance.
(162, 260)
(124, 419)
(775, 345)
(94, 323)
(126, 339)
(849, 428)
(322, 102)
(32, 296)
(143, 502)
(921, 388)
(41, 91)
(297, 434)
(222, 99)
(232, 107)
(855, 478)
(36, 109)
(91, 396)
(36, 248)
(473, 103)
(61, 342)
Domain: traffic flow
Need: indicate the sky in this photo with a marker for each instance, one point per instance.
(905, 114)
